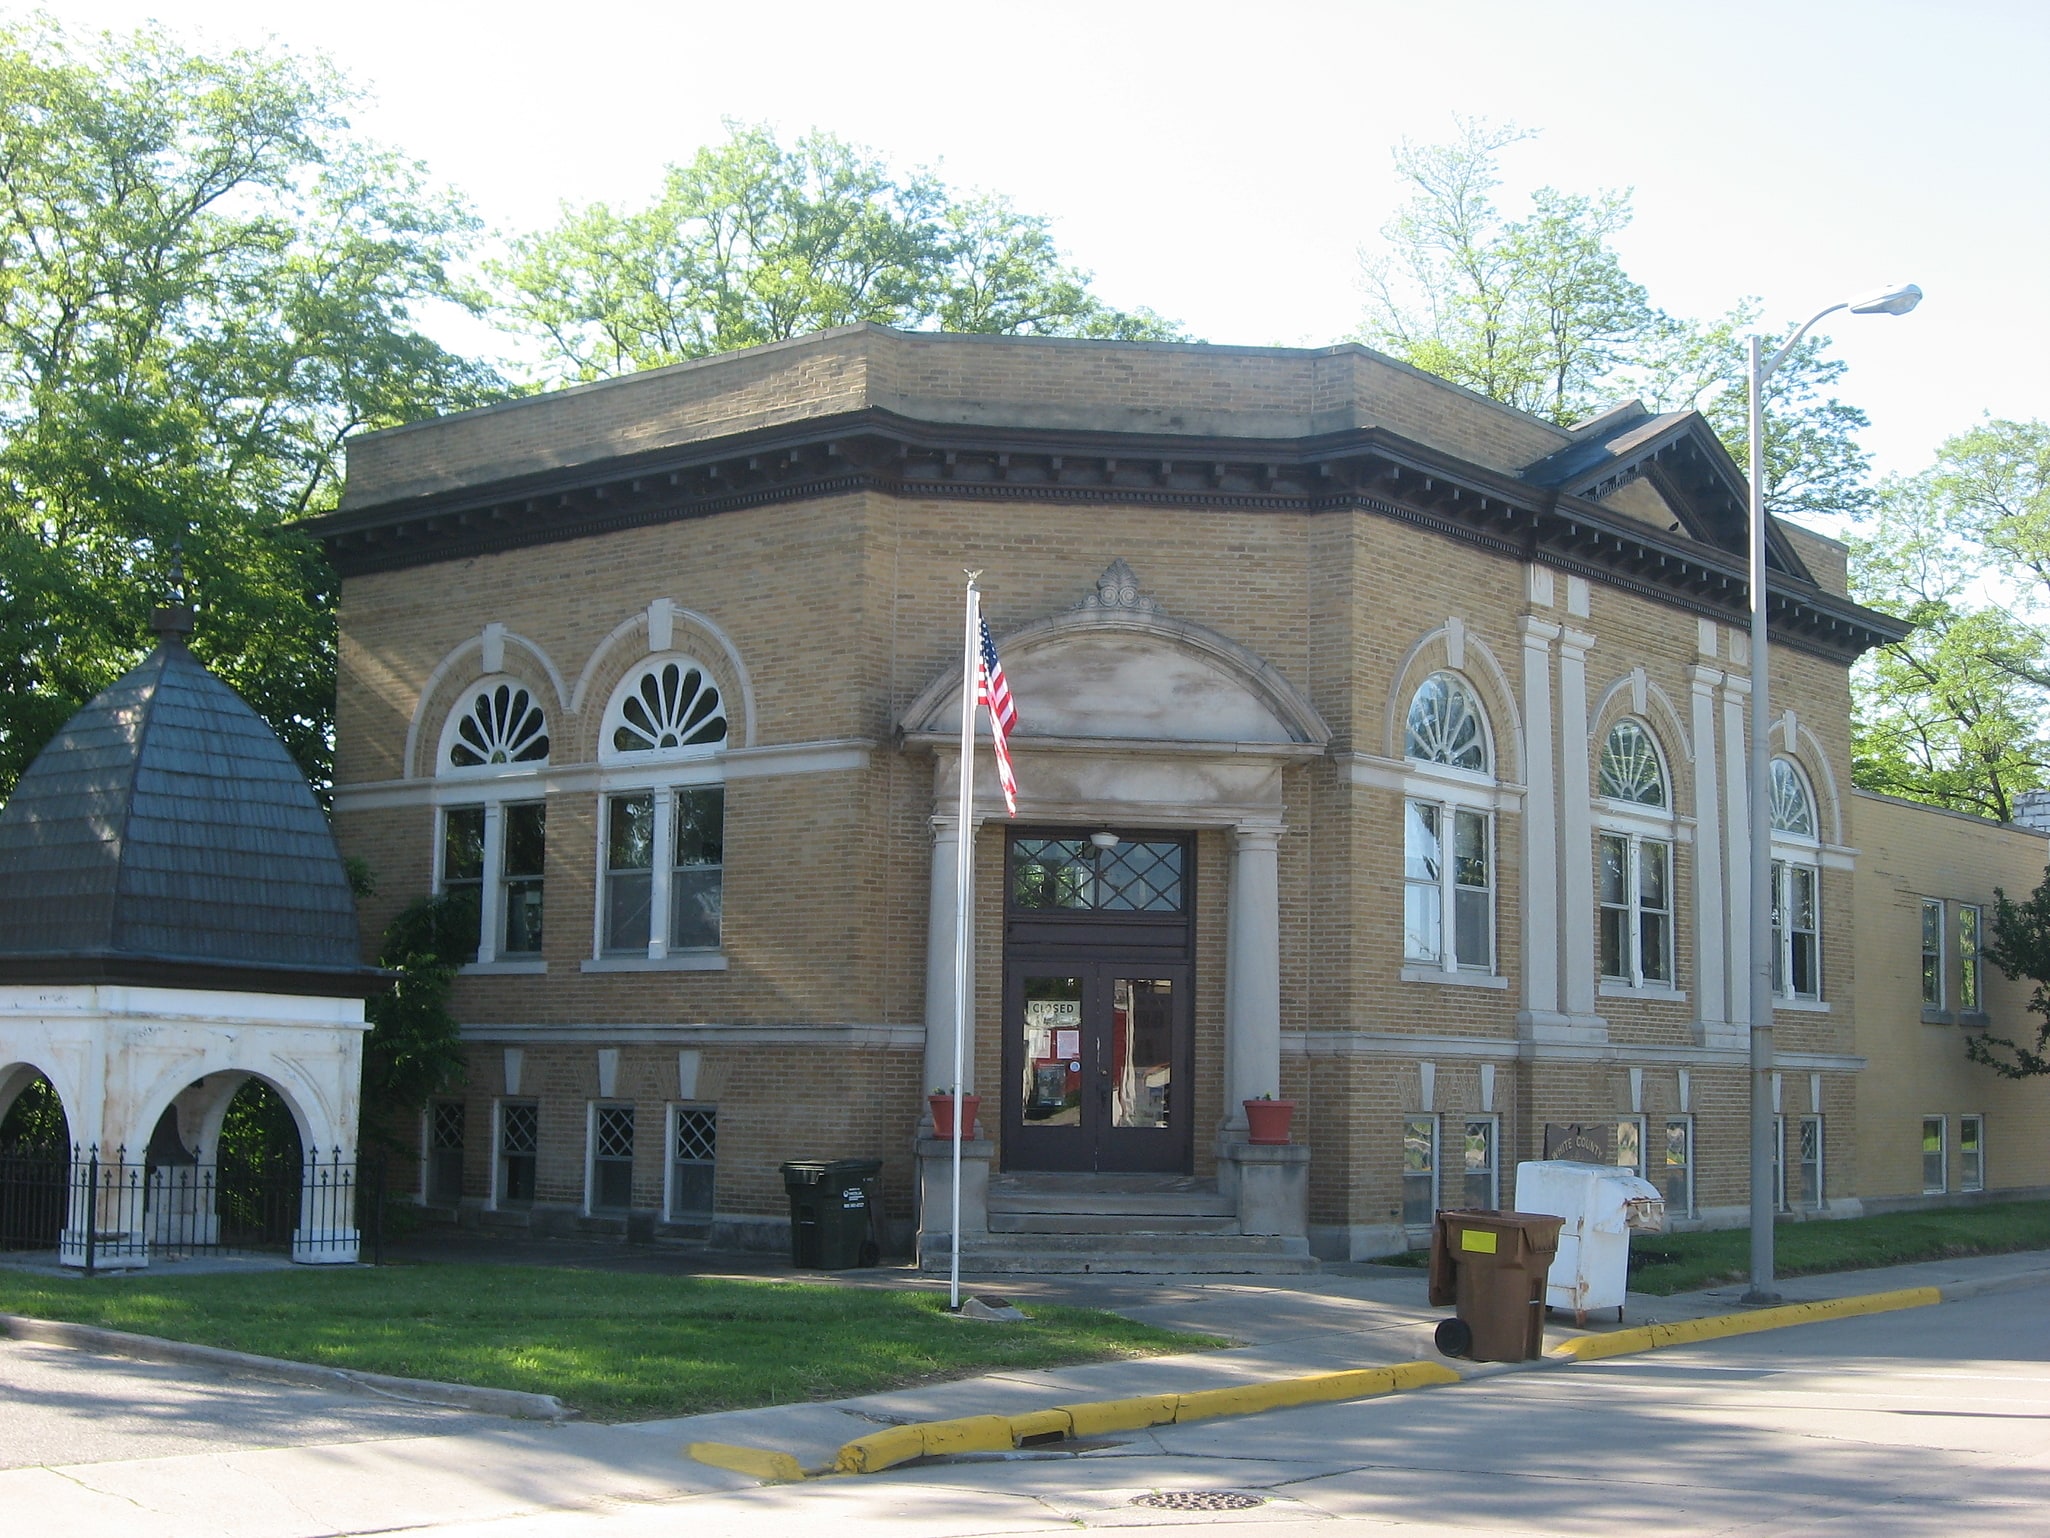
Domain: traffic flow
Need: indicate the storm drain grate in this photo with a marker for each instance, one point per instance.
(1198, 1500)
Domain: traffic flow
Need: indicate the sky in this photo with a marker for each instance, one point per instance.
(1225, 163)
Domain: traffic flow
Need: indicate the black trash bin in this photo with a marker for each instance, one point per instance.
(836, 1208)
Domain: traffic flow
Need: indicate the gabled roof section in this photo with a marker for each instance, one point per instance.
(1680, 454)
(166, 837)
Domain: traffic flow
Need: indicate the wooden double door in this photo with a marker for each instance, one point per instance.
(1098, 1063)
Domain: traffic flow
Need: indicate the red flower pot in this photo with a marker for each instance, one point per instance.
(943, 1115)
(1267, 1121)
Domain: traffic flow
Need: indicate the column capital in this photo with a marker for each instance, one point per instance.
(1704, 678)
(1539, 632)
(945, 829)
(1735, 687)
(1572, 640)
(1257, 835)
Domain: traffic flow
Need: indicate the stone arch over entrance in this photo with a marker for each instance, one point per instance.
(1129, 716)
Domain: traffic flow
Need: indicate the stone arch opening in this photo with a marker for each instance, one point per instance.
(32, 1114)
(35, 1150)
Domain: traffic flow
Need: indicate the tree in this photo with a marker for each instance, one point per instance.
(2020, 947)
(1956, 714)
(1539, 314)
(751, 243)
(205, 284)
(413, 1049)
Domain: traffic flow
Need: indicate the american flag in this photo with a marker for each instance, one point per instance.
(991, 690)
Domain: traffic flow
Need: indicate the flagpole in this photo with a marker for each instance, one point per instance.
(964, 871)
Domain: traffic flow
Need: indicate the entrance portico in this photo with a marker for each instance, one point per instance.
(1139, 727)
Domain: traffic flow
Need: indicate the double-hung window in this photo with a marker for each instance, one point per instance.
(1635, 875)
(1796, 888)
(1932, 953)
(1935, 1156)
(1630, 1144)
(1971, 1152)
(1970, 925)
(612, 1158)
(1419, 1171)
(1448, 841)
(494, 825)
(662, 839)
(1483, 1188)
(519, 1149)
(1676, 1178)
(1810, 1193)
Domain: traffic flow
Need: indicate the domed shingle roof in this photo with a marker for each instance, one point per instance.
(165, 836)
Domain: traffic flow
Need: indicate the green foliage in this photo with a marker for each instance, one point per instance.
(413, 1049)
(205, 284)
(1539, 314)
(258, 1131)
(1955, 714)
(752, 242)
(36, 1119)
(615, 1346)
(2019, 944)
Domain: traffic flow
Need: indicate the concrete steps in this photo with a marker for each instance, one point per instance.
(1149, 1225)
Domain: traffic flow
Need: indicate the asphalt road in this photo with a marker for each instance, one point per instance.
(1932, 1421)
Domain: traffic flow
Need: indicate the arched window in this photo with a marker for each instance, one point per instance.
(1793, 809)
(1634, 879)
(1445, 725)
(493, 843)
(670, 706)
(501, 724)
(1630, 767)
(1448, 838)
(662, 879)
(1796, 888)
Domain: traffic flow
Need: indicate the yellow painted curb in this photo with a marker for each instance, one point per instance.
(758, 1462)
(1654, 1337)
(1000, 1433)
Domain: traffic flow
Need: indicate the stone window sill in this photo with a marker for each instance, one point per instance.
(1800, 1006)
(503, 969)
(1657, 993)
(687, 961)
(1461, 979)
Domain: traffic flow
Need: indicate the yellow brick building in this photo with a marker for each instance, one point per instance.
(1381, 748)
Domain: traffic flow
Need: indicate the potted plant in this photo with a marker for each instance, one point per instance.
(942, 1102)
(1268, 1119)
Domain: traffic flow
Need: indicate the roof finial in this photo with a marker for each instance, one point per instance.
(172, 619)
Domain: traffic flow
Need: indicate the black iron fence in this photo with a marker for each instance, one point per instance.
(105, 1212)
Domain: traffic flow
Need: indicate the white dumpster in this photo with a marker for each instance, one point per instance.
(1602, 1208)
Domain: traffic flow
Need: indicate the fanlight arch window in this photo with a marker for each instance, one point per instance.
(1630, 767)
(1793, 808)
(669, 707)
(497, 726)
(1446, 726)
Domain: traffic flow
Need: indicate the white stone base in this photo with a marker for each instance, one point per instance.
(326, 1246)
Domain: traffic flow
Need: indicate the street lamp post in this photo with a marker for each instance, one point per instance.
(1893, 301)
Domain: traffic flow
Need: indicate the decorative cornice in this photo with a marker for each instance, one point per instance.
(1364, 469)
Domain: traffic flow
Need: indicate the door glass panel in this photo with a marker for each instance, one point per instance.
(1142, 1051)
(1052, 1023)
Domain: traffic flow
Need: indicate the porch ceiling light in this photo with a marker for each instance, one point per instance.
(1104, 839)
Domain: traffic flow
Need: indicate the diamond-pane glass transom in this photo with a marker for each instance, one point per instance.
(1135, 876)
(1445, 725)
(1630, 766)
(673, 705)
(520, 1129)
(448, 1124)
(1791, 810)
(697, 1136)
(502, 726)
(615, 1132)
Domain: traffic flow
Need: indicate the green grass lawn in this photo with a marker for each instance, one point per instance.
(616, 1347)
(1662, 1264)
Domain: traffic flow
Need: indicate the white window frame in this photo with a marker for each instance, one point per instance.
(1666, 1167)
(664, 774)
(1971, 1175)
(1971, 965)
(1934, 989)
(1793, 851)
(1491, 1127)
(592, 1111)
(1637, 1124)
(1410, 1120)
(1942, 1125)
(1448, 961)
(499, 1199)
(491, 896)
(1814, 1119)
(670, 1132)
(1634, 912)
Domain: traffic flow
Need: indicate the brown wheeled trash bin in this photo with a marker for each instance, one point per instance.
(1491, 1266)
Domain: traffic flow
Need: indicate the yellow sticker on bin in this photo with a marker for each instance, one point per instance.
(1480, 1240)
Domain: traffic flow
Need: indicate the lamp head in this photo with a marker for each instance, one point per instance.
(1105, 839)
(1888, 301)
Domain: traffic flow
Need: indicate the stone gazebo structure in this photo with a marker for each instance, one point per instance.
(175, 919)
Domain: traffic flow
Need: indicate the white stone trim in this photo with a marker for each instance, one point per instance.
(699, 1034)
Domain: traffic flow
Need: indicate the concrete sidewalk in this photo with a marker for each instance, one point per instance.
(1347, 1317)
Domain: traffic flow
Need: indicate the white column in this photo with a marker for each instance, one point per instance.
(1252, 1013)
(661, 863)
(939, 963)
(1540, 830)
(491, 893)
(1737, 849)
(1576, 830)
(1711, 978)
